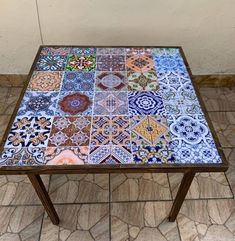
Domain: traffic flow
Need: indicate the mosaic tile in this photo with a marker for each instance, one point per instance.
(51, 63)
(55, 51)
(45, 81)
(165, 63)
(165, 51)
(156, 154)
(75, 103)
(29, 131)
(11, 156)
(110, 51)
(110, 155)
(145, 103)
(138, 51)
(81, 63)
(142, 81)
(140, 63)
(180, 99)
(84, 51)
(172, 78)
(70, 131)
(113, 103)
(77, 155)
(191, 140)
(38, 104)
(110, 63)
(110, 130)
(78, 81)
(111, 81)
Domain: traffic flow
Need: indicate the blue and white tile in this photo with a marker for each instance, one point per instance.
(85, 51)
(145, 103)
(78, 81)
(11, 156)
(38, 104)
(203, 152)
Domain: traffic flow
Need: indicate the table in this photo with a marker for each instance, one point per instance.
(95, 109)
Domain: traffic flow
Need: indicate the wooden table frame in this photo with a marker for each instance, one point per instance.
(189, 170)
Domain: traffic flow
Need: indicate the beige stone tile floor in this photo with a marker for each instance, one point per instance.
(123, 207)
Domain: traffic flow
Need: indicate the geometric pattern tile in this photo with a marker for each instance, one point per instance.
(142, 81)
(70, 131)
(110, 155)
(45, 81)
(109, 105)
(81, 63)
(111, 81)
(39, 104)
(110, 130)
(110, 63)
(78, 81)
(140, 63)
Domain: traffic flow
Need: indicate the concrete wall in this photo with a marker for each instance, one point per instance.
(205, 28)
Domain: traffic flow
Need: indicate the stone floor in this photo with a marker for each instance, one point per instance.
(124, 207)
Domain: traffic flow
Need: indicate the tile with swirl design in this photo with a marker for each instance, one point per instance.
(51, 63)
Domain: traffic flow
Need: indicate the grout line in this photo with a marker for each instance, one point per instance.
(39, 24)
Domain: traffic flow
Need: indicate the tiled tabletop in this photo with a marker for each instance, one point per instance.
(109, 106)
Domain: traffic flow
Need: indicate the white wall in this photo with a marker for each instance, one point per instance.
(205, 28)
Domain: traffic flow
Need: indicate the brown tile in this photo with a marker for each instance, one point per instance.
(10, 102)
(17, 190)
(204, 185)
(10, 80)
(133, 187)
(224, 124)
(87, 222)
(141, 221)
(207, 220)
(230, 155)
(80, 188)
(214, 80)
(4, 119)
(20, 223)
(218, 99)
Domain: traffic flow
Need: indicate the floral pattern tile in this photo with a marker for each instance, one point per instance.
(70, 131)
(110, 130)
(51, 63)
(110, 63)
(75, 103)
(146, 81)
(78, 81)
(145, 103)
(110, 103)
(140, 63)
(110, 51)
(192, 141)
(83, 51)
(110, 155)
(29, 131)
(81, 63)
(38, 104)
(111, 81)
(45, 81)
(138, 51)
(55, 51)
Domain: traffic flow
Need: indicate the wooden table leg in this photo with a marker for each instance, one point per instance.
(40, 189)
(181, 194)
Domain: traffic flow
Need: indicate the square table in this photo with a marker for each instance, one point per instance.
(123, 109)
